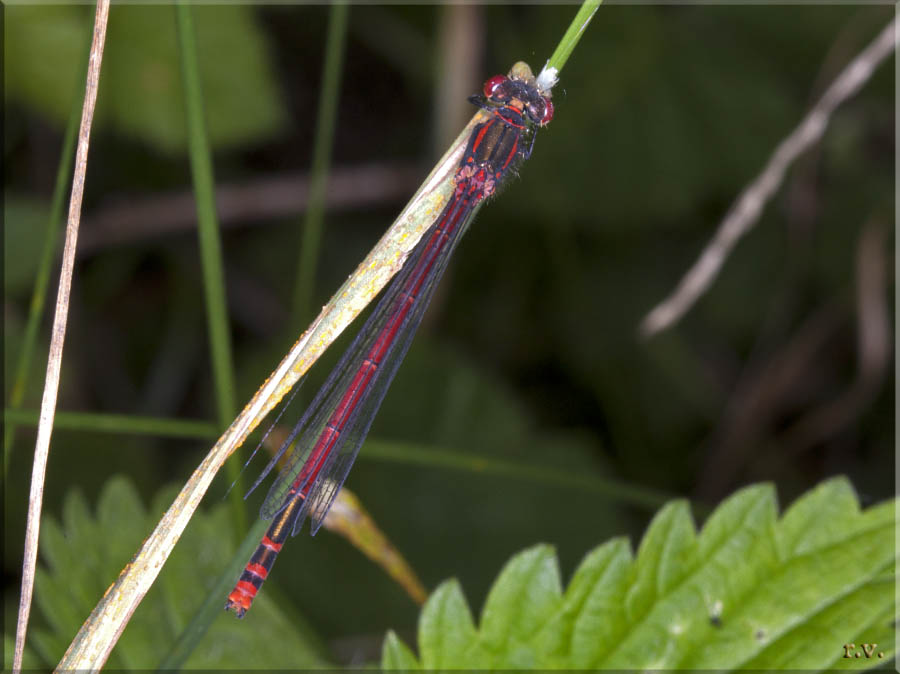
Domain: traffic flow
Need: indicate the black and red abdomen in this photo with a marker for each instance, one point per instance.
(257, 569)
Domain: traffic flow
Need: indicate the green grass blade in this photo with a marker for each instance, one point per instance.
(210, 244)
(212, 608)
(641, 497)
(573, 34)
(321, 165)
(118, 423)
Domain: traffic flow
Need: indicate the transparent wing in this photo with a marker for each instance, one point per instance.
(265, 437)
(334, 426)
(324, 491)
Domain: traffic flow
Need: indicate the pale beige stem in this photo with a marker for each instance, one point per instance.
(58, 335)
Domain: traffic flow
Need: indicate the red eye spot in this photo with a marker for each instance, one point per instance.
(548, 112)
(491, 85)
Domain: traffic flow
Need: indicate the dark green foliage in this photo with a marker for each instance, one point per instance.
(141, 93)
(750, 591)
(529, 354)
(84, 554)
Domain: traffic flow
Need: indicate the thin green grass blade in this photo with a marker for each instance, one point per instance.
(573, 34)
(210, 244)
(309, 253)
(212, 608)
(321, 165)
(118, 423)
(379, 450)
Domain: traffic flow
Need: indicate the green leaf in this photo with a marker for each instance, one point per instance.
(671, 533)
(447, 636)
(584, 612)
(44, 46)
(528, 590)
(750, 591)
(396, 655)
(140, 86)
(600, 621)
(817, 517)
(82, 557)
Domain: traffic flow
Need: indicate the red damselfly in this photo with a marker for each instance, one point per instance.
(328, 436)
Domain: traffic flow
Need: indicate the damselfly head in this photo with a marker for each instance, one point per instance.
(520, 92)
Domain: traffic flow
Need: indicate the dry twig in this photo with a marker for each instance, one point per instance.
(746, 210)
(58, 335)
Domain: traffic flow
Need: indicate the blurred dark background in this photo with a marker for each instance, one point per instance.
(530, 352)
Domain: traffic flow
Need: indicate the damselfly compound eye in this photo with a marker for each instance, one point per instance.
(491, 85)
(540, 110)
(548, 112)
